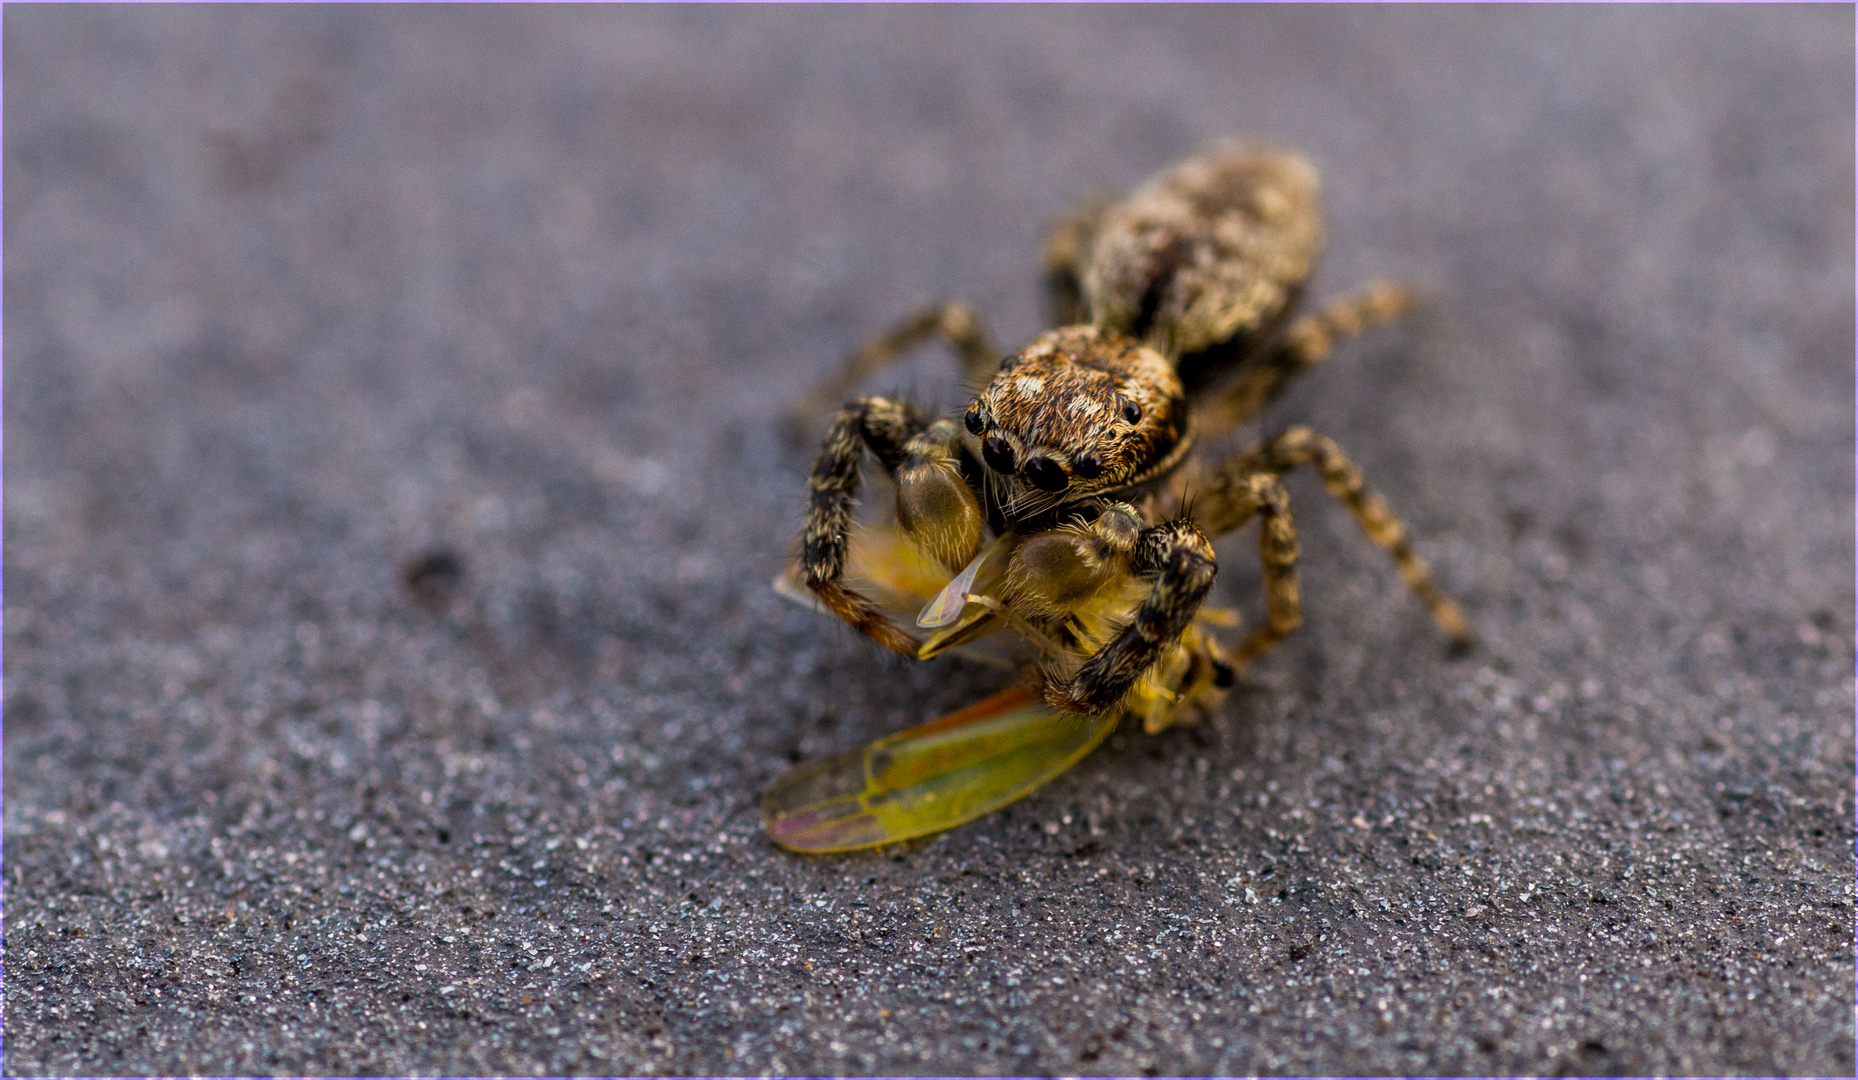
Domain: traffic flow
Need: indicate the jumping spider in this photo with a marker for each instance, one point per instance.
(1177, 322)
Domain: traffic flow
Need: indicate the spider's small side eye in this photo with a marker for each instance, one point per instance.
(1087, 465)
(973, 420)
(1131, 412)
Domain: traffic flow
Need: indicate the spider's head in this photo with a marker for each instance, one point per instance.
(1077, 413)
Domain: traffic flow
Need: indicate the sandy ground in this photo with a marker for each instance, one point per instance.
(294, 295)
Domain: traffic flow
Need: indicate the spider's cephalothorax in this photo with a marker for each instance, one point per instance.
(1179, 311)
(1079, 412)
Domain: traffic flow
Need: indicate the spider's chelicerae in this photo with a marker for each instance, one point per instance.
(1067, 501)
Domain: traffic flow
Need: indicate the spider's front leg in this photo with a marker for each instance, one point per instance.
(953, 321)
(888, 428)
(1178, 559)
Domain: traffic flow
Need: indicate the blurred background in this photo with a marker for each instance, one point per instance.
(393, 480)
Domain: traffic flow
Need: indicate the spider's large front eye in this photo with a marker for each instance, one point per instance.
(998, 454)
(973, 420)
(1046, 474)
(1087, 465)
(1131, 412)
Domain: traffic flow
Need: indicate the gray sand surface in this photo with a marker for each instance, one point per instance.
(294, 295)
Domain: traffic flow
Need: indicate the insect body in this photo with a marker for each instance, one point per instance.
(1071, 502)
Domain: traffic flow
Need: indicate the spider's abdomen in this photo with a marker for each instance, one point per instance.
(1211, 251)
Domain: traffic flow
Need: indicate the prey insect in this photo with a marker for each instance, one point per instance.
(1074, 501)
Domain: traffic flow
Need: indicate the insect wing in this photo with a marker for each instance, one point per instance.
(984, 574)
(955, 620)
(929, 778)
(947, 605)
(882, 564)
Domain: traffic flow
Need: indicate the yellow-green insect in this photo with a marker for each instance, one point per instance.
(1072, 504)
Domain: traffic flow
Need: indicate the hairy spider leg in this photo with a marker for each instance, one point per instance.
(1246, 484)
(1179, 559)
(1304, 344)
(1231, 503)
(1067, 243)
(887, 428)
(951, 320)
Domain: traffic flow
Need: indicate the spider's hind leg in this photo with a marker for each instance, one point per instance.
(951, 320)
(1067, 244)
(1305, 343)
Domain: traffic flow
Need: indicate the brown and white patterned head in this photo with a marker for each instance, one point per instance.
(1079, 412)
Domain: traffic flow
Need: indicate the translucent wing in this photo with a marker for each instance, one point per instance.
(929, 778)
(948, 604)
(883, 565)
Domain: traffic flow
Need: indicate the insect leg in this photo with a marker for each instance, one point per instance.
(952, 320)
(886, 427)
(1177, 557)
(1304, 344)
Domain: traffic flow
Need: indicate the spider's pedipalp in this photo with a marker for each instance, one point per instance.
(935, 504)
(1057, 571)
